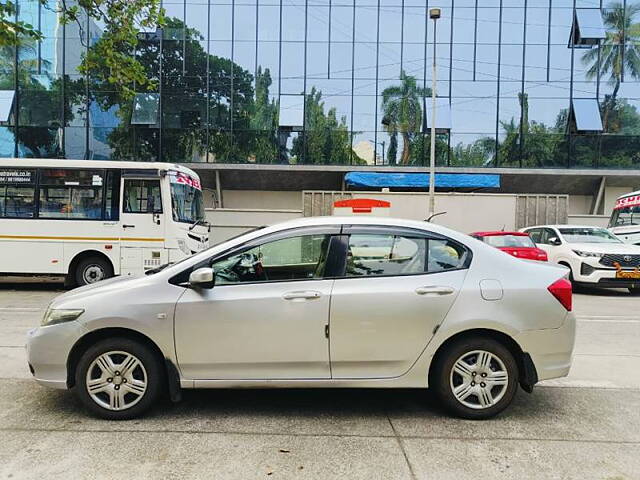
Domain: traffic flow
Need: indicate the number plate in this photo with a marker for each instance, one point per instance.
(632, 274)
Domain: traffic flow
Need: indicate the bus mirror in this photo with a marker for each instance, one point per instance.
(202, 278)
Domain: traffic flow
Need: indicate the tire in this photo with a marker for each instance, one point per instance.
(92, 269)
(479, 402)
(118, 392)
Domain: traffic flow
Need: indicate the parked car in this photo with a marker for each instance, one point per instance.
(593, 255)
(517, 244)
(412, 305)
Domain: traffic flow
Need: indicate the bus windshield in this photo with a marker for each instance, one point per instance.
(625, 216)
(186, 199)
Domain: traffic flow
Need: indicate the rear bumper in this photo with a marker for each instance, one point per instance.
(551, 350)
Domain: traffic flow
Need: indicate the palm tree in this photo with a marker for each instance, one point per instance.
(402, 112)
(615, 55)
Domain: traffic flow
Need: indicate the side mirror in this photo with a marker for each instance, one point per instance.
(202, 278)
(555, 241)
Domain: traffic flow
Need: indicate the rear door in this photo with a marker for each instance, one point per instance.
(397, 286)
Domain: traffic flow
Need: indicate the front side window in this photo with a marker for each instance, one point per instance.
(294, 258)
(142, 196)
(71, 194)
(379, 254)
(17, 186)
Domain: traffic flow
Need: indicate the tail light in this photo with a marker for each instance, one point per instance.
(561, 289)
(542, 256)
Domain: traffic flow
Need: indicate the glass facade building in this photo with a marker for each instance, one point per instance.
(520, 83)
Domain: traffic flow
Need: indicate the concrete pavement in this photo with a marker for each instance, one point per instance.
(586, 426)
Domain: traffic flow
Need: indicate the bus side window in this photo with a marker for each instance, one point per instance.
(17, 188)
(142, 196)
(112, 210)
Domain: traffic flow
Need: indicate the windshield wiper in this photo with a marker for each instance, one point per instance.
(200, 221)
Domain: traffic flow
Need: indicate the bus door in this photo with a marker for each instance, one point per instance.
(142, 222)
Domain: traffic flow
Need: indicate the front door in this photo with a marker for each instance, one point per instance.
(266, 316)
(397, 287)
(141, 225)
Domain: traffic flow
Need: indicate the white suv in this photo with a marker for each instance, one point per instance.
(594, 255)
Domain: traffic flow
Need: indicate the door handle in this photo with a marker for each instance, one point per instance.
(128, 226)
(302, 295)
(434, 290)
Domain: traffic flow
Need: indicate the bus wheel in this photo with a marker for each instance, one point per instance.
(92, 270)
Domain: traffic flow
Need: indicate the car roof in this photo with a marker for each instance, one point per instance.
(562, 226)
(495, 233)
(358, 220)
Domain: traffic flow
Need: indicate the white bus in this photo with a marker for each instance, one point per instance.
(93, 219)
(625, 218)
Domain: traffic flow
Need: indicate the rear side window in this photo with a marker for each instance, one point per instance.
(535, 234)
(71, 194)
(17, 187)
(384, 255)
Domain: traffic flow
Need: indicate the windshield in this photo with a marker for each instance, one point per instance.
(625, 216)
(588, 235)
(186, 199)
(509, 241)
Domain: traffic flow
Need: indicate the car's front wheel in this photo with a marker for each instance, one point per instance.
(118, 378)
(475, 377)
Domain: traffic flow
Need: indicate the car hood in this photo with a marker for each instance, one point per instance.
(115, 283)
(620, 248)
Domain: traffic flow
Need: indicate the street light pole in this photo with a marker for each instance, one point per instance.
(434, 14)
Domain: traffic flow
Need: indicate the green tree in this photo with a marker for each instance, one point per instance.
(326, 139)
(615, 55)
(402, 112)
(111, 55)
(188, 102)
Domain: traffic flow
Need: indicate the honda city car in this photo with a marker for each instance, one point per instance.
(315, 302)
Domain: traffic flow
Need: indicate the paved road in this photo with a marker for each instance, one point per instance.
(586, 426)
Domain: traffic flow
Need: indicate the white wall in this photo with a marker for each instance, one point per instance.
(580, 204)
(466, 212)
(263, 199)
(592, 220)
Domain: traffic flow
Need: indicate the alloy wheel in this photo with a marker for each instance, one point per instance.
(116, 380)
(479, 379)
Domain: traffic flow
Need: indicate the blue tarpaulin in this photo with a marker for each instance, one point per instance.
(421, 180)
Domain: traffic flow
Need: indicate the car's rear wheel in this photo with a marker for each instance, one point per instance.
(118, 378)
(475, 377)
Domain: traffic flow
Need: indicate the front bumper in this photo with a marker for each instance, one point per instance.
(592, 273)
(551, 349)
(48, 350)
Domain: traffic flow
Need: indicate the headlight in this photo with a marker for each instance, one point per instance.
(54, 315)
(183, 246)
(581, 253)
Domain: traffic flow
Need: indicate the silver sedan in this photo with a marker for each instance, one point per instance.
(315, 302)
